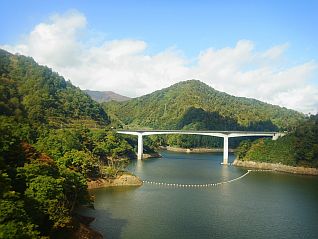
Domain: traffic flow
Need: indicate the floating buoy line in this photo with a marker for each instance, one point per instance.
(180, 185)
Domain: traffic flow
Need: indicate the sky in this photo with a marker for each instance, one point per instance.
(258, 49)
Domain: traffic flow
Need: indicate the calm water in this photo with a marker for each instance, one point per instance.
(260, 205)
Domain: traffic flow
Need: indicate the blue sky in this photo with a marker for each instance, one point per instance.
(188, 25)
(187, 34)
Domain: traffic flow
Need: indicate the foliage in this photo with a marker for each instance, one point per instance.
(28, 89)
(298, 148)
(267, 150)
(46, 193)
(57, 142)
(39, 197)
(306, 146)
(243, 148)
(114, 150)
(113, 146)
(41, 186)
(81, 162)
(15, 222)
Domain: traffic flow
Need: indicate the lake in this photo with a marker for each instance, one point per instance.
(259, 205)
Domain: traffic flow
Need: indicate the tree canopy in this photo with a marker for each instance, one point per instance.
(53, 139)
(299, 148)
(43, 96)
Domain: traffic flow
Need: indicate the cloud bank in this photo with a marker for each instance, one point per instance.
(125, 67)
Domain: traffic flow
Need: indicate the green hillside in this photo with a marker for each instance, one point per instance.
(48, 150)
(193, 104)
(28, 90)
(299, 148)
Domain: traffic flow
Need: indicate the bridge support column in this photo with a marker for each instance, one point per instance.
(140, 147)
(225, 150)
(277, 135)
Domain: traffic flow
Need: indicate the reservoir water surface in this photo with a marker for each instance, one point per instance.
(260, 205)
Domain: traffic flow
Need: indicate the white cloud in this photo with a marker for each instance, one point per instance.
(54, 43)
(302, 99)
(275, 52)
(124, 66)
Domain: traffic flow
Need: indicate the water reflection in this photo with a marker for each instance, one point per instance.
(138, 167)
(225, 173)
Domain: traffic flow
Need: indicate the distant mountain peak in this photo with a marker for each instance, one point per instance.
(105, 96)
(193, 83)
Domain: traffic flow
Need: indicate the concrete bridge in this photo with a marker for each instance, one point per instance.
(223, 134)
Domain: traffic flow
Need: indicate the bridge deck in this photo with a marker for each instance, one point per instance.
(197, 131)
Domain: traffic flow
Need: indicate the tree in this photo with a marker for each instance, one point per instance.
(14, 221)
(47, 198)
(243, 148)
(57, 142)
(80, 161)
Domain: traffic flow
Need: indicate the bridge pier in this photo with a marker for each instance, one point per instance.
(225, 150)
(223, 134)
(277, 135)
(140, 147)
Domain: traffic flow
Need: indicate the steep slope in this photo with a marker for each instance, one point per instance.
(105, 96)
(41, 95)
(45, 159)
(193, 104)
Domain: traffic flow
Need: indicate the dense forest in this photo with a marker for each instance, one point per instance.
(42, 96)
(53, 139)
(299, 148)
(194, 105)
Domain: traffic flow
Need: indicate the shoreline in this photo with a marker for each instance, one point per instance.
(146, 156)
(125, 179)
(83, 229)
(277, 167)
(194, 150)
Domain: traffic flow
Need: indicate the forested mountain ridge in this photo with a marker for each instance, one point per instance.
(179, 105)
(48, 151)
(105, 96)
(41, 95)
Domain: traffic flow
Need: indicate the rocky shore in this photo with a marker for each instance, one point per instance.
(194, 150)
(276, 167)
(151, 155)
(121, 180)
(82, 229)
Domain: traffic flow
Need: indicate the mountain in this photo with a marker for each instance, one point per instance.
(105, 96)
(46, 155)
(35, 92)
(194, 105)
